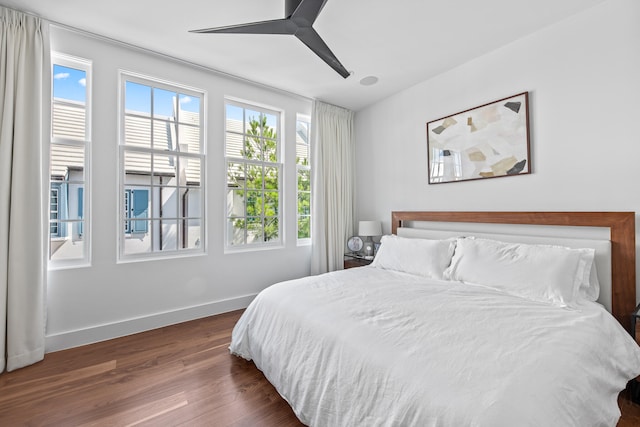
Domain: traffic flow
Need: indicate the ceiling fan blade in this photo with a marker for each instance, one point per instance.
(307, 12)
(276, 26)
(309, 37)
(303, 14)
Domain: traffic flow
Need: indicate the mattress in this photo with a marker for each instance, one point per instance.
(373, 347)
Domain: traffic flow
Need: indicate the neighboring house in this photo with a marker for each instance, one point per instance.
(66, 203)
(169, 182)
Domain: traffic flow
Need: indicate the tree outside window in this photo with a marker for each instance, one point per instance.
(253, 176)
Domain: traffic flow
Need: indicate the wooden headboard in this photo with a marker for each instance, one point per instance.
(622, 236)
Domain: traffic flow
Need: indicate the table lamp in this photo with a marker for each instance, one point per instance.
(368, 229)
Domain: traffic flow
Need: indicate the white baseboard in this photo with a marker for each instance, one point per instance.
(65, 340)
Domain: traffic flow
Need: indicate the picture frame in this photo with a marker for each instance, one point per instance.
(488, 141)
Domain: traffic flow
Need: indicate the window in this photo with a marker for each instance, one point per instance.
(303, 173)
(252, 153)
(161, 169)
(69, 158)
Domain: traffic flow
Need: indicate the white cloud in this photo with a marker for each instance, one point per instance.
(185, 100)
(83, 82)
(61, 76)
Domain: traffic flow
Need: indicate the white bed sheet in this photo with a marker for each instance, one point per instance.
(372, 347)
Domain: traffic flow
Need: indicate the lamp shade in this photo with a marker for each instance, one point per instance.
(369, 228)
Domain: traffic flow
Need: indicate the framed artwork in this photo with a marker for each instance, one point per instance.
(488, 141)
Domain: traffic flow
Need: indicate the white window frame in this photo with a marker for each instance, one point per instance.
(299, 167)
(124, 233)
(86, 66)
(279, 164)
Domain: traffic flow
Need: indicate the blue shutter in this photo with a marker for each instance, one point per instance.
(80, 210)
(54, 209)
(140, 210)
(63, 207)
(127, 210)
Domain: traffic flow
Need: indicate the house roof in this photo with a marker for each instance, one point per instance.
(69, 125)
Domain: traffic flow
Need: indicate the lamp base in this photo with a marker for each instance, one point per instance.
(368, 249)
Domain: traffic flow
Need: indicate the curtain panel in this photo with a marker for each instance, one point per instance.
(23, 55)
(333, 185)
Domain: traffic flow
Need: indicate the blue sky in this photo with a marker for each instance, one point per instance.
(138, 98)
(69, 83)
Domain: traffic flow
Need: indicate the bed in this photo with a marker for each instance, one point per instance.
(455, 326)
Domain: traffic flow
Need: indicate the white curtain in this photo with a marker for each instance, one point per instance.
(23, 53)
(333, 185)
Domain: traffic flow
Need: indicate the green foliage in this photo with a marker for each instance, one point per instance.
(261, 142)
(260, 183)
(304, 227)
(257, 185)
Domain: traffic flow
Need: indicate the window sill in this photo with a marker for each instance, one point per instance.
(155, 256)
(60, 265)
(229, 250)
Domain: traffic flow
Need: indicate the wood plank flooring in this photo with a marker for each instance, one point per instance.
(181, 375)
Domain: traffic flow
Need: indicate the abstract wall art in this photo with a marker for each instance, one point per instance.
(488, 141)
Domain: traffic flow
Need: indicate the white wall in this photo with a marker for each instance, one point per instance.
(583, 76)
(109, 299)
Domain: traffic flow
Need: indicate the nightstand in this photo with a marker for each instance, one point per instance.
(355, 260)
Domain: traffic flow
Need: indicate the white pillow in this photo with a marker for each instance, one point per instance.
(422, 257)
(538, 272)
(590, 286)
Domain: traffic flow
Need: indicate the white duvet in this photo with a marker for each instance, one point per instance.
(373, 347)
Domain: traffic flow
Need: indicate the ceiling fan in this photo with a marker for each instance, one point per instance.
(300, 16)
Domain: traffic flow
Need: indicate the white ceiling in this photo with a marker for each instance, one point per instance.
(402, 42)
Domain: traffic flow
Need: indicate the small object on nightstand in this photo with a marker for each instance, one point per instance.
(355, 244)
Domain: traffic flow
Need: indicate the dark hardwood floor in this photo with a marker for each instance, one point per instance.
(173, 376)
(180, 375)
(630, 412)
